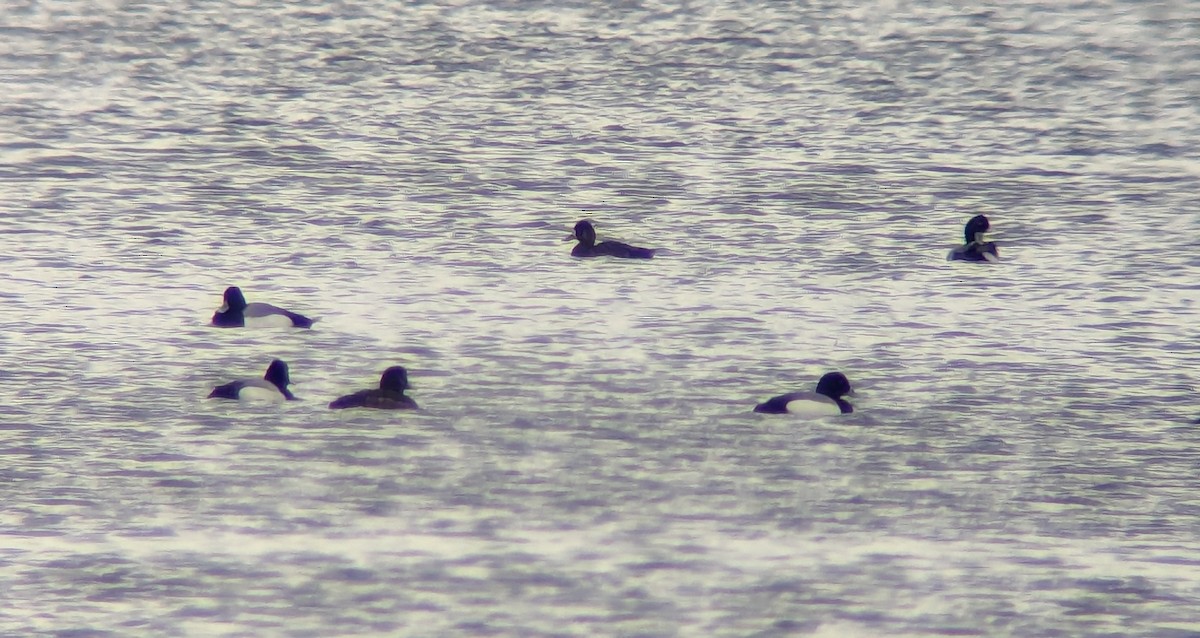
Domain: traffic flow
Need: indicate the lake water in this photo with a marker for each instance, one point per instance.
(1023, 458)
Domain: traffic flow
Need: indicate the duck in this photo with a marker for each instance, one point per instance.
(273, 386)
(826, 400)
(587, 246)
(388, 396)
(975, 249)
(234, 313)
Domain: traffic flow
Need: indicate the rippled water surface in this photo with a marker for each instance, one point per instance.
(1023, 459)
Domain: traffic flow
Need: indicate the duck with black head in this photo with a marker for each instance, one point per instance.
(273, 386)
(388, 396)
(827, 400)
(975, 248)
(236, 313)
(585, 233)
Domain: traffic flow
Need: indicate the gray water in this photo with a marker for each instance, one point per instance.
(1022, 460)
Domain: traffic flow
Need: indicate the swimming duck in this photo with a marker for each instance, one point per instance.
(272, 387)
(388, 396)
(235, 312)
(826, 400)
(975, 249)
(587, 246)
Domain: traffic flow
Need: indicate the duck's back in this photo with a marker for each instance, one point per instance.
(265, 312)
(227, 391)
(248, 390)
(975, 251)
(377, 399)
(802, 403)
(612, 249)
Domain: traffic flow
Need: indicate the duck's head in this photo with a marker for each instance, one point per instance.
(233, 300)
(277, 373)
(585, 233)
(834, 385)
(394, 379)
(975, 228)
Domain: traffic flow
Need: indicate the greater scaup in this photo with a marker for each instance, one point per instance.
(272, 387)
(235, 312)
(388, 396)
(975, 249)
(826, 400)
(587, 246)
